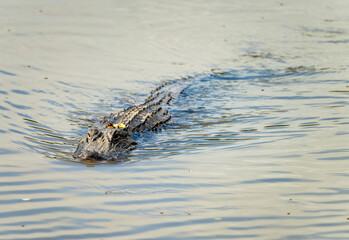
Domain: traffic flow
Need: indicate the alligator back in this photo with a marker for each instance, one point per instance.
(151, 114)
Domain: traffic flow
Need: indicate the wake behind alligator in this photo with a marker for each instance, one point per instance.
(114, 135)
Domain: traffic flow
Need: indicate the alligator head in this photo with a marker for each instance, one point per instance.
(104, 144)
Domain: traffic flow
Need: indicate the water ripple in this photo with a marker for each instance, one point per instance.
(7, 73)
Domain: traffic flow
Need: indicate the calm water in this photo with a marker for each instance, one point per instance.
(258, 146)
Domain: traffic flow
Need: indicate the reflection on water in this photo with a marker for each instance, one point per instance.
(257, 146)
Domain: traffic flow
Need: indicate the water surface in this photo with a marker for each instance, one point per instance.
(258, 143)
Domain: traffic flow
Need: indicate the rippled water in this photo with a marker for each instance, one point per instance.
(258, 143)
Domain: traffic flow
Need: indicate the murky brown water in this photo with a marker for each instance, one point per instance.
(258, 145)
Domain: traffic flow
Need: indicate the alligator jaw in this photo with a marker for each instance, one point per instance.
(89, 156)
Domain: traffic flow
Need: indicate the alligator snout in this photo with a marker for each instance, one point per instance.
(91, 156)
(104, 144)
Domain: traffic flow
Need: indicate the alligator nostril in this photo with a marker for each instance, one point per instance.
(92, 156)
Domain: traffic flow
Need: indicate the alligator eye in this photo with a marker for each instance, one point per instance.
(92, 132)
(115, 135)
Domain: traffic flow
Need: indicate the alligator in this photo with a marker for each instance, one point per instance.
(115, 134)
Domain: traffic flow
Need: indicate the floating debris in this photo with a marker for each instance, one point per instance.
(119, 125)
(328, 20)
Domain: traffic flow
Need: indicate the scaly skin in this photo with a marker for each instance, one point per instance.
(115, 134)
